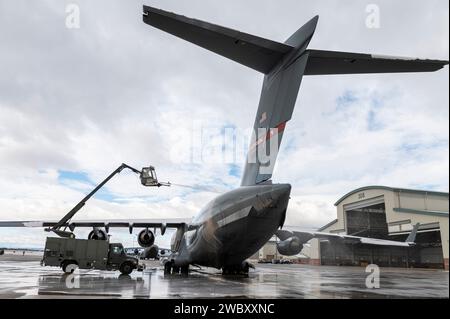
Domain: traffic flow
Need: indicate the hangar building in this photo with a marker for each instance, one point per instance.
(385, 213)
(388, 213)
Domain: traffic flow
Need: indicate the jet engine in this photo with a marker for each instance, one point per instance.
(146, 238)
(97, 234)
(290, 247)
(150, 252)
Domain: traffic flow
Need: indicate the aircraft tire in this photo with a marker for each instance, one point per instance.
(168, 268)
(185, 270)
(242, 269)
(246, 268)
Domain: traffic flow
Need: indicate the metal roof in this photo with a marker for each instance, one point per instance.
(392, 189)
(327, 225)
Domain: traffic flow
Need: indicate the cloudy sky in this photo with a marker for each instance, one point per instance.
(77, 102)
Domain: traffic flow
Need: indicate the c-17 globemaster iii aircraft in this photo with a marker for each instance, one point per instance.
(237, 224)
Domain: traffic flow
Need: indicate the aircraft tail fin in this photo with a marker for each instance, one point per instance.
(276, 105)
(283, 65)
(412, 236)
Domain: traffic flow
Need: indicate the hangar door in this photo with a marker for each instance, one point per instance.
(367, 218)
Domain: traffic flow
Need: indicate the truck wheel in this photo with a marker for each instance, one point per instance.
(69, 266)
(126, 268)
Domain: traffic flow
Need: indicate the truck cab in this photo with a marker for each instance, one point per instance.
(118, 259)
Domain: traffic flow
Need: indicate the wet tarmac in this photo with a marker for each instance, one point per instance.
(27, 279)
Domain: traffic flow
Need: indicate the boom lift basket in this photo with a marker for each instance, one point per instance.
(148, 177)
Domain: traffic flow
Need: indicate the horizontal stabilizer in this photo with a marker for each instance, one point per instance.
(252, 51)
(333, 62)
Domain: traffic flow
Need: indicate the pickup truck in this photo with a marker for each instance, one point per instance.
(70, 253)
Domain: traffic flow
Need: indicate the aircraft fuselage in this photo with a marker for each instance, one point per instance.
(234, 226)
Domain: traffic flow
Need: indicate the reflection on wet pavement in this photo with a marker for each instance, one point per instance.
(30, 280)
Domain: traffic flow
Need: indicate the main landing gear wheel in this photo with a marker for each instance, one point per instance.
(242, 269)
(169, 268)
(185, 270)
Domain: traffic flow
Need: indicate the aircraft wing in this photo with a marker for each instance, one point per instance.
(305, 236)
(333, 62)
(360, 240)
(117, 223)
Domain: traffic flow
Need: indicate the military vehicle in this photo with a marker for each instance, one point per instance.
(71, 253)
